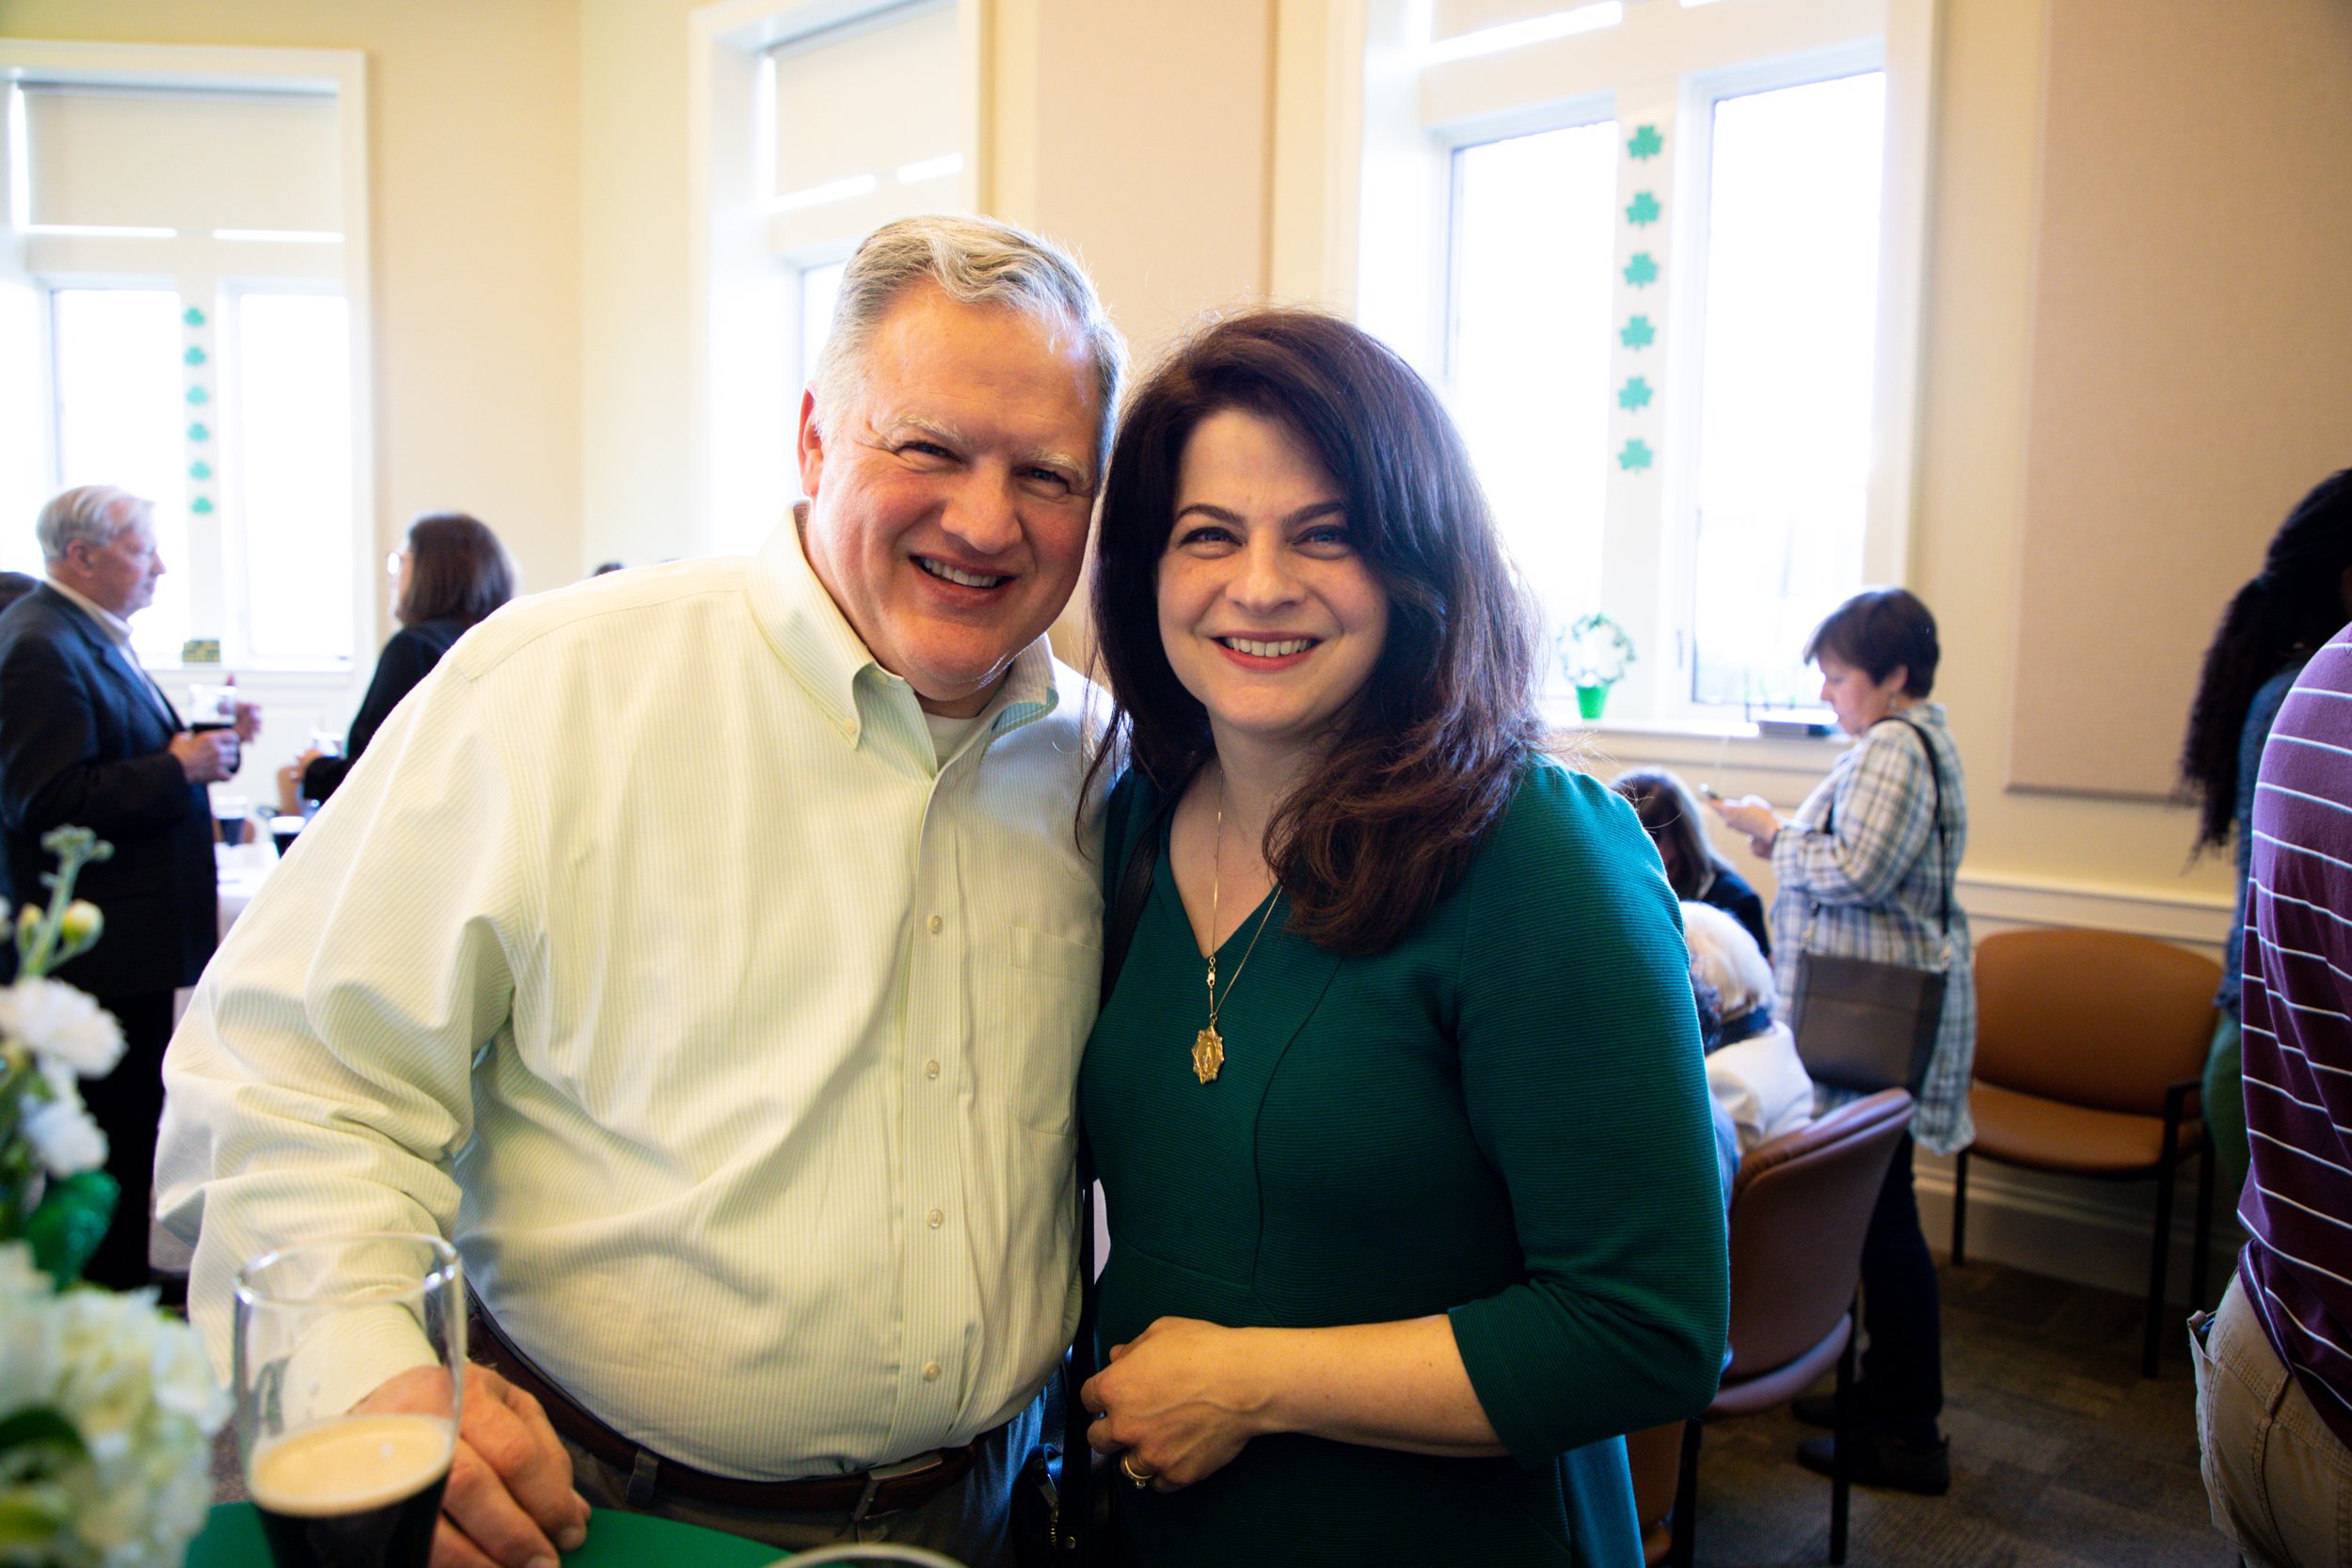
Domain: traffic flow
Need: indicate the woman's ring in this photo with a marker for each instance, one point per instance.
(1133, 1471)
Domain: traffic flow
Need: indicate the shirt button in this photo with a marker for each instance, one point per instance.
(932, 924)
(937, 1218)
(931, 1371)
(931, 1069)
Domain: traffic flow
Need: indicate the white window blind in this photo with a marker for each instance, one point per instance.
(867, 126)
(193, 162)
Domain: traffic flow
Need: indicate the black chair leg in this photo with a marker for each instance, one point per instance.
(2197, 1281)
(2159, 1255)
(1840, 1486)
(1686, 1539)
(1959, 1209)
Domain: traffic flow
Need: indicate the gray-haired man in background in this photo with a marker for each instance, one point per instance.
(707, 950)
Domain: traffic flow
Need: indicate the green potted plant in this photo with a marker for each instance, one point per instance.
(1593, 654)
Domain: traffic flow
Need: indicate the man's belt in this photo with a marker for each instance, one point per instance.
(884, 1489)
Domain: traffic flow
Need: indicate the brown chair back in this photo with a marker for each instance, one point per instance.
(1655, 1457)
(2097, 1018)
(1799, 1207)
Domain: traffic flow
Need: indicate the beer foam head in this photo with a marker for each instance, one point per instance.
(351, 1464)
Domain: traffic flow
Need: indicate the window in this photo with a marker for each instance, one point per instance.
(1673, 297)
(1790, 327)
(118, 421)
(825, 119)
(819, 286)
(182, 253)
(1529, 362)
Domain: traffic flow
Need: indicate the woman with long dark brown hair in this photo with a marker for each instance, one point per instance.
(2296, 602)
(453, 574)
(1413, 1203)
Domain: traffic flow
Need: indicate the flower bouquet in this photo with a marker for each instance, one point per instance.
(107, 1406)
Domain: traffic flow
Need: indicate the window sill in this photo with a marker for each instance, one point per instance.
(1698, 743)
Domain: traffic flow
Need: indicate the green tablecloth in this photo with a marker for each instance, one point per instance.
(232, 1539)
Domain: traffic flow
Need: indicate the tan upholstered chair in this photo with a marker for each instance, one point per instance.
(1656, 1458)
(1799, 1207)
(2090, 1048)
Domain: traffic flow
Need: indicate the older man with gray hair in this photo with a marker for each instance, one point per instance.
(88, 739)
(707, 949)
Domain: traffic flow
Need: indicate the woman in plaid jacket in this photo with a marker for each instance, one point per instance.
(1865, 870)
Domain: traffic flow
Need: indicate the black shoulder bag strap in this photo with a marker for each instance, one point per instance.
(1082, 1534)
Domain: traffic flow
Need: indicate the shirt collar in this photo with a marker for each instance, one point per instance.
(826, 655)
(117, 629)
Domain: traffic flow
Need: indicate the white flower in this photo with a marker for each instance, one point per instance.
(135, 1385)
(62, 1134)
(58, 1021)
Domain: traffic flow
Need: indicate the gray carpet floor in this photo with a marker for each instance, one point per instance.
(2062, 1454)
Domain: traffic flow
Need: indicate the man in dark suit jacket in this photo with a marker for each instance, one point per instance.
(88, 739)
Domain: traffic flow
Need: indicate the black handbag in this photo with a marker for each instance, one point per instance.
(1864, 1025)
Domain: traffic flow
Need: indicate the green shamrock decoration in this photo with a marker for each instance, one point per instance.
(194, 356)
(197, 433)
(1641, 271)
(1646, 142)
(1636, 455)
(199, 470)
(1644, 209)
(1638, 333)
(198, 395)
(193, 316)
(1635, 394)
(201, 506)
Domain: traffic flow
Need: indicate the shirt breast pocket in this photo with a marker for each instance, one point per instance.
(1050, 993)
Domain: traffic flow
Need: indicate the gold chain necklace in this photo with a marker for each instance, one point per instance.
(1208, 1047)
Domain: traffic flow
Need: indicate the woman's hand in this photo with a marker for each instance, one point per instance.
(1753, 815)
(1178, 1402)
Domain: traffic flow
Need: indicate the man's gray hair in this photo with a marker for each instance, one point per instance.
(96, 514)
(973, 261)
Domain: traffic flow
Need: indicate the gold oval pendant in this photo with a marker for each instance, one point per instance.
(1208, 1054)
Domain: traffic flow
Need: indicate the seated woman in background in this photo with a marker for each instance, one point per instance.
(1694, 869)
(454, 573)
(1752, 1065)
(1427, 1214)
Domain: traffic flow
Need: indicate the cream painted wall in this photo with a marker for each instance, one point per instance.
(1971, 495)
(635, 332)
(531, 177)
(475, 170)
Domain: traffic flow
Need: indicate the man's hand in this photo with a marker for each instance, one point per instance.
(209, 757)
(510, 1502)
(247, 722)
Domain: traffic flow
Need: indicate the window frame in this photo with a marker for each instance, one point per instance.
(212, 272)
(1399, 104)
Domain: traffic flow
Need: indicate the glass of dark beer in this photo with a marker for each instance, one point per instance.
(350, 1370)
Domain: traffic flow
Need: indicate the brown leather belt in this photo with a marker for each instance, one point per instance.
(884, 1489)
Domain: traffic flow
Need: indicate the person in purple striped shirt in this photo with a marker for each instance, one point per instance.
(2274, 1362)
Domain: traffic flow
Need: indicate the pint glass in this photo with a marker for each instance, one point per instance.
(350, 1369)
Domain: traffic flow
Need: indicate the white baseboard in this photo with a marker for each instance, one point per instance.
(2076, 1229)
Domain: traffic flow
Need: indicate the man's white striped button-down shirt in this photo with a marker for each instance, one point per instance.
(653, 953)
